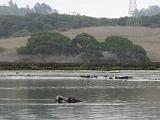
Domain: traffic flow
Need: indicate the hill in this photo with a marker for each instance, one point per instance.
(33, 23)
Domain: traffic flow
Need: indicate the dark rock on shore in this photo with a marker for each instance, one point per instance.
(123, 77)
(88, 76)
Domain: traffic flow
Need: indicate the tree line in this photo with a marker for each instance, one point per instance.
(32, 23)
(150, 11)
(13, 9)
(42, 18)
(86, 46)
(43, 8)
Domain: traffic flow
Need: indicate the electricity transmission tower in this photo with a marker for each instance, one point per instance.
(132, 14)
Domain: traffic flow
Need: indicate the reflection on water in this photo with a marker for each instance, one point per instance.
(33, 99)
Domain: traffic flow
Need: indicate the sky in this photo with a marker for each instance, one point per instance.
(95, 8)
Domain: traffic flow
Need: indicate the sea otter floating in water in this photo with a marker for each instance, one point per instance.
(61, 99)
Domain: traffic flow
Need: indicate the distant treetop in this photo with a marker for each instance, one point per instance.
(151, 10)
(13, 9)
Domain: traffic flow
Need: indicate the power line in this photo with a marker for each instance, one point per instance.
(132, 14)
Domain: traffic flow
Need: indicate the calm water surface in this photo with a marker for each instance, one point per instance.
(29, 95)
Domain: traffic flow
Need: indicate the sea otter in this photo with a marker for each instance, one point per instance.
(61, 99)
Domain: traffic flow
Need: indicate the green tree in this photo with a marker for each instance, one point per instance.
(150, 11)
(42, 8)
(10, 3)
(46, 43)
(88, 47)
(125, 50)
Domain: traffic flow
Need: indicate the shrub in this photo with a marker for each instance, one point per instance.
(46, 43)
(125, 50)
(88, 47)
(85, 46)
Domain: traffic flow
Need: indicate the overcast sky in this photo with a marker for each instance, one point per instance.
(96, 8)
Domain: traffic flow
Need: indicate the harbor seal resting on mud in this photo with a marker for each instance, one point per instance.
(61, 99)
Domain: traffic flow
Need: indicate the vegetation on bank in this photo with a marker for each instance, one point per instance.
(46, 44)
(86, 46)
(72, 66)
(125, 50)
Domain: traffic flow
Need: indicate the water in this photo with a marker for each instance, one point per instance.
(29, 95)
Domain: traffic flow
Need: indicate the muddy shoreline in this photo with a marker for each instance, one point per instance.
(77, 66)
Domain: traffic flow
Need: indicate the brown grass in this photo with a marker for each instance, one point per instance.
(132, 32)
(152, 48)
(10, 43)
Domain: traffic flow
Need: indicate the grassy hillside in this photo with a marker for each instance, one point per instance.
(32, 23)
(148, 38)
(10, 44)
(14, 42)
